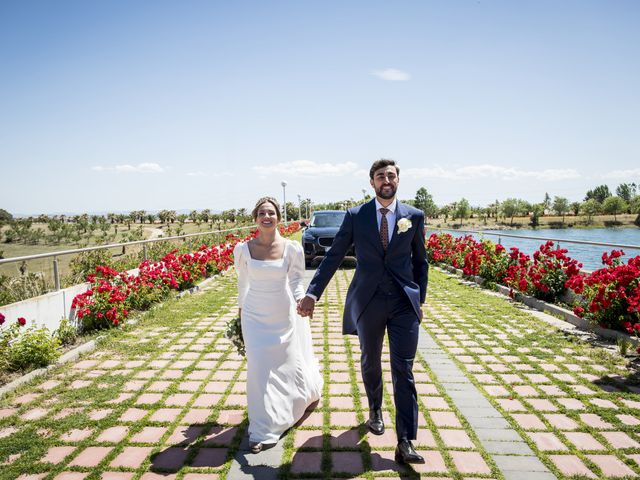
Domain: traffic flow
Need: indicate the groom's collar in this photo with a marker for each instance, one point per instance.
(392, 206)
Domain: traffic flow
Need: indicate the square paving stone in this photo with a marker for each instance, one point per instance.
(345, 438)
(386, 440)
(133, 415)
(148, 398)
(184, 435)
(560, 421)
(455, 438)
(611, 466)
(133, 385)
(131, 457)
(159, 386)
(220, 436)
(207, 400)
(345, 419)
(189, 386)
(216, 387)
(195, 416)
(583, 441)
(445, 419)
(165, 415)
(511, 405)
(76, 435)
(177, 399)
(470, 462)
(384, 462)
(306, 462)
(628, 420)
(311, 419)
(113, 434)
(236, 399)
(149, 435)
(341, 403)
(571, 403)
(34, 414)
(231, 417)
(528, 421)
(542, 404)
(171, 459)
(308, 439)
(7, 412)
(91, 456)
(593, 420)
(210, 458)
(571, 465)
(620, 440)
(348, 462)
(56, 455)
(546, 441)
(433, 462)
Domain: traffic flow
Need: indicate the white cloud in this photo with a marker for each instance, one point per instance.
(392, 75)
(471, 172)
(140, 168)
(623, 174)
(307, 168)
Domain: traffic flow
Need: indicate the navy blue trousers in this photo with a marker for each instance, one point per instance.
(390, 310)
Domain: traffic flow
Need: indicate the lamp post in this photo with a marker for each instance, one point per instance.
(284, 199)
(364, 195)
(299, 209)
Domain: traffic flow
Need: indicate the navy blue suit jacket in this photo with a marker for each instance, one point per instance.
(405, 259)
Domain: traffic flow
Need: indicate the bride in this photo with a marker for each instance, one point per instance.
(283, 377)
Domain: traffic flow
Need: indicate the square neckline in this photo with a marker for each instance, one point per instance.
(275, 260)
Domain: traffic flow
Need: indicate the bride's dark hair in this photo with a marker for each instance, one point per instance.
(262, 201)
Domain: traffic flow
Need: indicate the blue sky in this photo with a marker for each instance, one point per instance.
(123, 105)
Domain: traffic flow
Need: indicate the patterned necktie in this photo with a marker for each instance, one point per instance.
(384, 228)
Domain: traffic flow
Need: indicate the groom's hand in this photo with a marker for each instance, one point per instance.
(306, 306)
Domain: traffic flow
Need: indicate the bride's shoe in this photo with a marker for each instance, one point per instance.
(255, 447)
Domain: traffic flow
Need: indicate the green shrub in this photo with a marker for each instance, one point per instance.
(35, 348)
(66, 333)
(86, 262)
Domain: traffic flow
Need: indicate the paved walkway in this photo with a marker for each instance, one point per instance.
(502, 395)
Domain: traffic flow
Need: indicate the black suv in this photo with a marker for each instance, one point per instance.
(318, 236)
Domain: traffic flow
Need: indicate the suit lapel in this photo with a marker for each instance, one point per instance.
(371, 225)
(401, 212)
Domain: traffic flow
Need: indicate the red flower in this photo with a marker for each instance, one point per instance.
(2, 317)
(22, 321)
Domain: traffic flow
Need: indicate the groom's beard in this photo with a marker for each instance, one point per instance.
(386, 192)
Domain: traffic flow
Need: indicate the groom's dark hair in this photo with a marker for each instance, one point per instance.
(382, 163)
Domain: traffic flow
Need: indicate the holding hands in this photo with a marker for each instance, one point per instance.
(306, 306)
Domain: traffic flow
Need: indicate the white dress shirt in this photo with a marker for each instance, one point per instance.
(391, 216)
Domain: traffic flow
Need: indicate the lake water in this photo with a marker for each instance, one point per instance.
(589, 255)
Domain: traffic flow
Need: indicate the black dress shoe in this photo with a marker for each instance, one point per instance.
(375, 422)
(405, 453)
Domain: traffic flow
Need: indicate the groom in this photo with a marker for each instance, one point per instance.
(389, 285)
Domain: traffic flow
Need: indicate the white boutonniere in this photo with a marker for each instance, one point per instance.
(404, 224)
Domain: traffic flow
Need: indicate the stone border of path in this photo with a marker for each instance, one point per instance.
(509, 451)
(542, 306)
(89, 346)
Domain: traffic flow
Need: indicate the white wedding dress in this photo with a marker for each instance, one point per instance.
(283, 375)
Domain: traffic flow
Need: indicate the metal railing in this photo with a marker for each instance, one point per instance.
(555, 240)
(60, 253)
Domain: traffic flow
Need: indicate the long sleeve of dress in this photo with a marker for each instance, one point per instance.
(240, 261)
(296, 270)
